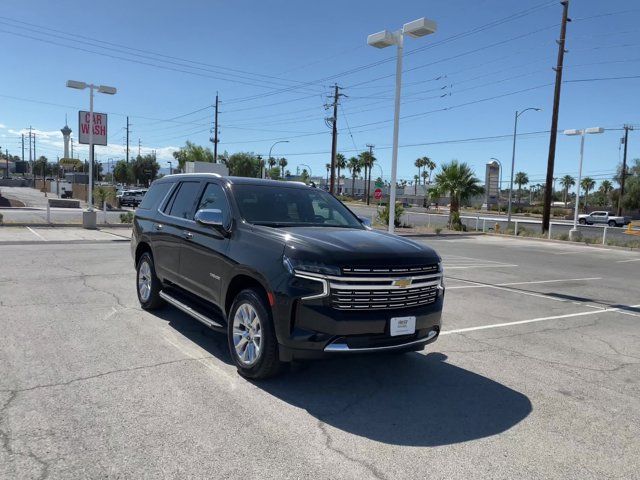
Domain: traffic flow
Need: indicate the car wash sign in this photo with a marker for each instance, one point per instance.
(99, 127)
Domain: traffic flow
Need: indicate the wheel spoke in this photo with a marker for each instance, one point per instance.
(247, 334)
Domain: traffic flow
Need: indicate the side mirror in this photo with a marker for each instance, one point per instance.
(365, 221)
(211, 217)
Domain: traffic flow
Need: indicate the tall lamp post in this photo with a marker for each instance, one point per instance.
(513, 158)
(383, 39)
(308, 167)
(500, 184)
(279, 141)
(170, 166)
(574, 234)
(89, 220)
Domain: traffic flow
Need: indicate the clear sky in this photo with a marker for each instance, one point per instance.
(274, 63)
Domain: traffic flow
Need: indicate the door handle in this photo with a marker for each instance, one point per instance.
(188, 235)
(157, 226)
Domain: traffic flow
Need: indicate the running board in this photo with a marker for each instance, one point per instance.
(190, 311)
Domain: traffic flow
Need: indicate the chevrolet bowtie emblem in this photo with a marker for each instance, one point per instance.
(402, 282)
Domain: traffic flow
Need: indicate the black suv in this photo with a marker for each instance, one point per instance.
(285, 269)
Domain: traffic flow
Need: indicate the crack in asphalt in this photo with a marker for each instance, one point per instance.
(6, 440)
(328, 443)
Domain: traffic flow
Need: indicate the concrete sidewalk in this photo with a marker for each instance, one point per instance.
(25, 235)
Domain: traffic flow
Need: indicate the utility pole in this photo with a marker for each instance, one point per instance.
(139, 146)
(546, 211)
(215, 132)
(334, 138)
(127, 139)
(23, 147)
(624, 167)
(367, 183)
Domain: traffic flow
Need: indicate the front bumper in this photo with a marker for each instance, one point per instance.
(316, 330)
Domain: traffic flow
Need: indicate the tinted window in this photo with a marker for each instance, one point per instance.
(155, 195)
(213, 197)
(286, 206)
(183, 200)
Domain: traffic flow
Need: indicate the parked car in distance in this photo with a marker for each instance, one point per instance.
(603, 218)
(131, 198)
(284, 269)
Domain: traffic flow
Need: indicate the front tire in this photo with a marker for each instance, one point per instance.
(252, 341)
(148, 283)
(582, 221)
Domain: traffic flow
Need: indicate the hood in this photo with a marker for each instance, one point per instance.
(349, 246)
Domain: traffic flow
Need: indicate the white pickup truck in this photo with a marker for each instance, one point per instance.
(603, 218)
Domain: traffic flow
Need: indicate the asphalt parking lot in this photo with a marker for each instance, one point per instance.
(536, 375)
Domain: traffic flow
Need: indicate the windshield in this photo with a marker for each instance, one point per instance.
(281, 206)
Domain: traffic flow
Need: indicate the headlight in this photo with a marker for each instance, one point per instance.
(295, 265)
(441, 270)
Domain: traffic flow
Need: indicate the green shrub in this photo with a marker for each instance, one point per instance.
(438, 230)
(126, 217)
(563, 236)
(1, 217)
(383, 215)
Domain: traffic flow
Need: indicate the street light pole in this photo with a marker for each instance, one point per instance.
(574, 233)
(416, 28)
(170, 165)
(513, 159)
(279, 141)
(90, 218)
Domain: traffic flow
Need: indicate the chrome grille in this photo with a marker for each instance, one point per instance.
(384, 288)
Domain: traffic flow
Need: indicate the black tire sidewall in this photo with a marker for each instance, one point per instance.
(268, 363)
(154, 300)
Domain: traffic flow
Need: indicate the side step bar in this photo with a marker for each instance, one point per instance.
(190, 311)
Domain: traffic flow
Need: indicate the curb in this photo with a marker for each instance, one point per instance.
(64, 225)
(64, 242)
(567, 242)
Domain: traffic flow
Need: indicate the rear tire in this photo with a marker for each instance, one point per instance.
(147, 283)
(251, 336)
(612, 223)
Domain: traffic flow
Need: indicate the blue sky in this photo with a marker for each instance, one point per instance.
(273, 64)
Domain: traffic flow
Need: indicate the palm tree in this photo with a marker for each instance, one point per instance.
(353, 165)
(606, 187)
(459, 182)
(419, 163)
(272, 162)
(261, 164)
(416, 181)
(341, 163)
(567, 182)
(283, 163)
(587, 183)
(328, 166)
(367, 159)
(520, 180)
(430, 164)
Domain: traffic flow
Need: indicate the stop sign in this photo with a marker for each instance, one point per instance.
(377, 193)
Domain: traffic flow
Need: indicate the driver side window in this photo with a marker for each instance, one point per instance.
(214, 198)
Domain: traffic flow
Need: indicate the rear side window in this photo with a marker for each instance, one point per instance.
(183, 200)
(155, 195)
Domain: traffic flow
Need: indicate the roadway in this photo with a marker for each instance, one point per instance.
(536, 375)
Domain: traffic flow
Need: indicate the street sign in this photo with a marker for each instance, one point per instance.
(70, 163)
(377, 194)
(99, 128)
(379, 184)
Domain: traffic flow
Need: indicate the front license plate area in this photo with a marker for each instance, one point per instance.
(402, 326)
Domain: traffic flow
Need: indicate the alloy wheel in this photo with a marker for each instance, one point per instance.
(247, 334)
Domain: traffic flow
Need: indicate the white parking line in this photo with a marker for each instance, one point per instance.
(36, 234)
(534, 320)
(632, 260)
(523, 283)
(500, 265)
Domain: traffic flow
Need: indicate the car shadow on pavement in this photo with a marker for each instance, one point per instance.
(411, 399)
